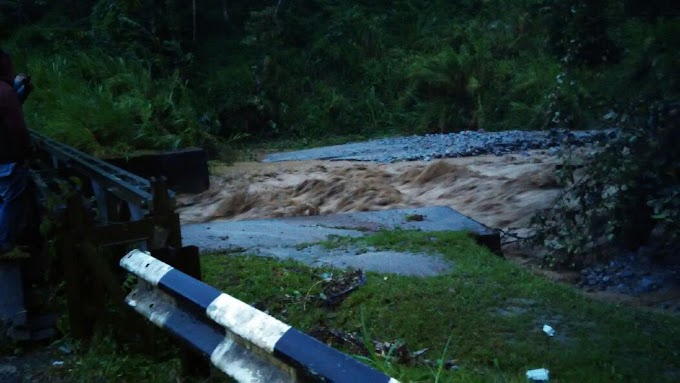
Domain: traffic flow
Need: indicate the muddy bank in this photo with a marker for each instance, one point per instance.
(498, 191)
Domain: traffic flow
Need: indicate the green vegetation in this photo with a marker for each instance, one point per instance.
(627, 193)
(490, 310)
(107, 105)
(486, 314)
(106, 360)
(131, 75)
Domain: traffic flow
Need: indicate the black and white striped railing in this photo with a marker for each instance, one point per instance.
(243, 342)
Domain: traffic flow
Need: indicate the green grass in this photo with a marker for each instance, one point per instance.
(490, 313)
(108, 105)
(487, 314)
(107, 360)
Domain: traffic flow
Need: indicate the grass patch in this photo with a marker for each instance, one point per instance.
(108, 360)
(486, 313)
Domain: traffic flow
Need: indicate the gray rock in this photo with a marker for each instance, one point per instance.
(9, 374)
(627, 274)
(437, 145)
(647, 282)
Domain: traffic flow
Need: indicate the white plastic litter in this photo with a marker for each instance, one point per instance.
(540, 375)
(327, 277)
(549, 331)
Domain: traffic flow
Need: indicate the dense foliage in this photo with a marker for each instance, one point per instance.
(626, 190)
(161, 73)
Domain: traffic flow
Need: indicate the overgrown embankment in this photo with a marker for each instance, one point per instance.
(124, 75)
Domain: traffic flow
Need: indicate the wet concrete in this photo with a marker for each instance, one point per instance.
(295, 238)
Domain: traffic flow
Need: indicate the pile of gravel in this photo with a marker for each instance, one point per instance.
(631, 274)
(433, 146)
(9, 374)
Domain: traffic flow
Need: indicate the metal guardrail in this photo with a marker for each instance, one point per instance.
(130, 212)
(243, 342)
(129, 187)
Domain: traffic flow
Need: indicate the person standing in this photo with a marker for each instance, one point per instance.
(15, 147)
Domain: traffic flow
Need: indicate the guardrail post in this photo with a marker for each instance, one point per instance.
(167, 231)
(102, 200)
(73, 272)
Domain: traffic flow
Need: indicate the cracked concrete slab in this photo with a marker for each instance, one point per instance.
(294, 238)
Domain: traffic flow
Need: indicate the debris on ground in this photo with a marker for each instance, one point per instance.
(65, 349)
(337, 287)
(352, 343)
(539, 375)
(415, 218)
(549, 331)
(36, 363)
(398, 352)
(395, 351)
(631, 273)
(450, 364)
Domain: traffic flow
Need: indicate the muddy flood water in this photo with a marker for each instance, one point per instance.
(498, 191)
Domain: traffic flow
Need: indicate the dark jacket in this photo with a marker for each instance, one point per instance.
(15, 144)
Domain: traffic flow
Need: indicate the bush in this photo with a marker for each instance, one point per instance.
(108, 105)
(622, 191)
